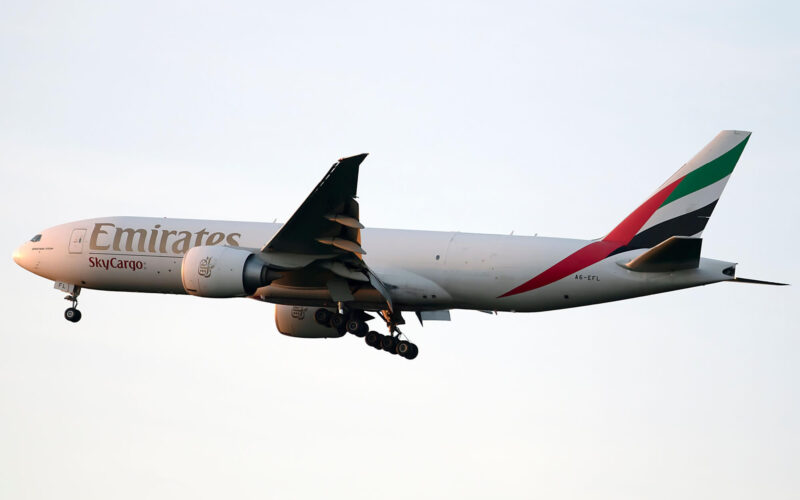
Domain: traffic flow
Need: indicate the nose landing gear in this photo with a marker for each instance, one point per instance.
(72, 314)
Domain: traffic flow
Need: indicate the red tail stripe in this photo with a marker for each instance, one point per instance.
(586, 256)
(627, 229)
(596, 251)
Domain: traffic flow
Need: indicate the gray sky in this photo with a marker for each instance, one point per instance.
(556, 119)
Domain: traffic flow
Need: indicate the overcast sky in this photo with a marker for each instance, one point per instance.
(550, 118)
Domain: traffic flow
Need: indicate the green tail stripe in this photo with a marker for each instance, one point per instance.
(708, 174)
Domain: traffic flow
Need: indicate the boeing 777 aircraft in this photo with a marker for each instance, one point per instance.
(328, 275)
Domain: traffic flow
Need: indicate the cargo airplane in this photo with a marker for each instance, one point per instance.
(327, 275)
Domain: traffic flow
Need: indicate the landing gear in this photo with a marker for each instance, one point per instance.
(391, 345)
(357, 327)
(72, 314)
(323, 316)
(388, 344)
(330, 319)
(407, 349)
(337, 320)
(355, 322)
(373, 339)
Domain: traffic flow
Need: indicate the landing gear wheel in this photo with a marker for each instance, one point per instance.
(373, 339)
(357, 327)
(389, 344)
(407, 349)
(72, 315)
(323, 316)
(337, 320)
(403, 348)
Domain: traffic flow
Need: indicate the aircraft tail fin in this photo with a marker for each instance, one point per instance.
(684, 203)
(679, 208)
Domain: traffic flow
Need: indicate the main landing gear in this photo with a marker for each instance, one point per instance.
(392, 344)
(355, 322)
(72, 314)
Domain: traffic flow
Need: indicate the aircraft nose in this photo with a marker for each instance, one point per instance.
(19, 255)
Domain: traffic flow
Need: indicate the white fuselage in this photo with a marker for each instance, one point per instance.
(424, 270)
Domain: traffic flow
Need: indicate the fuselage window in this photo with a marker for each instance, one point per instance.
(36, 238)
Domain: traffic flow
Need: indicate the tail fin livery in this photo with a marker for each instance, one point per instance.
(680, 207)
(683, 204)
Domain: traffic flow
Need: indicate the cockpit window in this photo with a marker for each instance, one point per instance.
(36, 238)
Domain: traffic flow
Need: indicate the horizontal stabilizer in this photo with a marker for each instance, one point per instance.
(673, 254)
(757, 282)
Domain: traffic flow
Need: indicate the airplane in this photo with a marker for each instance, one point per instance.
(328, 275)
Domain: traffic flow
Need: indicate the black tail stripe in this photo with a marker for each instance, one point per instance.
(683, 225)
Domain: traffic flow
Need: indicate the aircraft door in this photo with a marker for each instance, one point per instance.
(76, 241)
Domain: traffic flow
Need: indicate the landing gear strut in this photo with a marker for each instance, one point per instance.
(72, 314)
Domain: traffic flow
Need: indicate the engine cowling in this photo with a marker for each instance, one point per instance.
(298, 321)
(220, 271)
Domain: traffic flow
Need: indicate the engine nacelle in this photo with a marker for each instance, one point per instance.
(298, 321)
(220, 271)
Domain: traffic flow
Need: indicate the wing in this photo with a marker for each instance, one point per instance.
(327, 221)
(326, 232)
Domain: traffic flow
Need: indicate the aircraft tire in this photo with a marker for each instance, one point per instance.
(73, 315)
(357, 327)
(373, 339)
(323, 316)
(403, 348)
(353, 326)
(337, 320)
(389, 343)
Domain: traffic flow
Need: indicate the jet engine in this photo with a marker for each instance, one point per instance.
(220, 271)
(298, 321)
